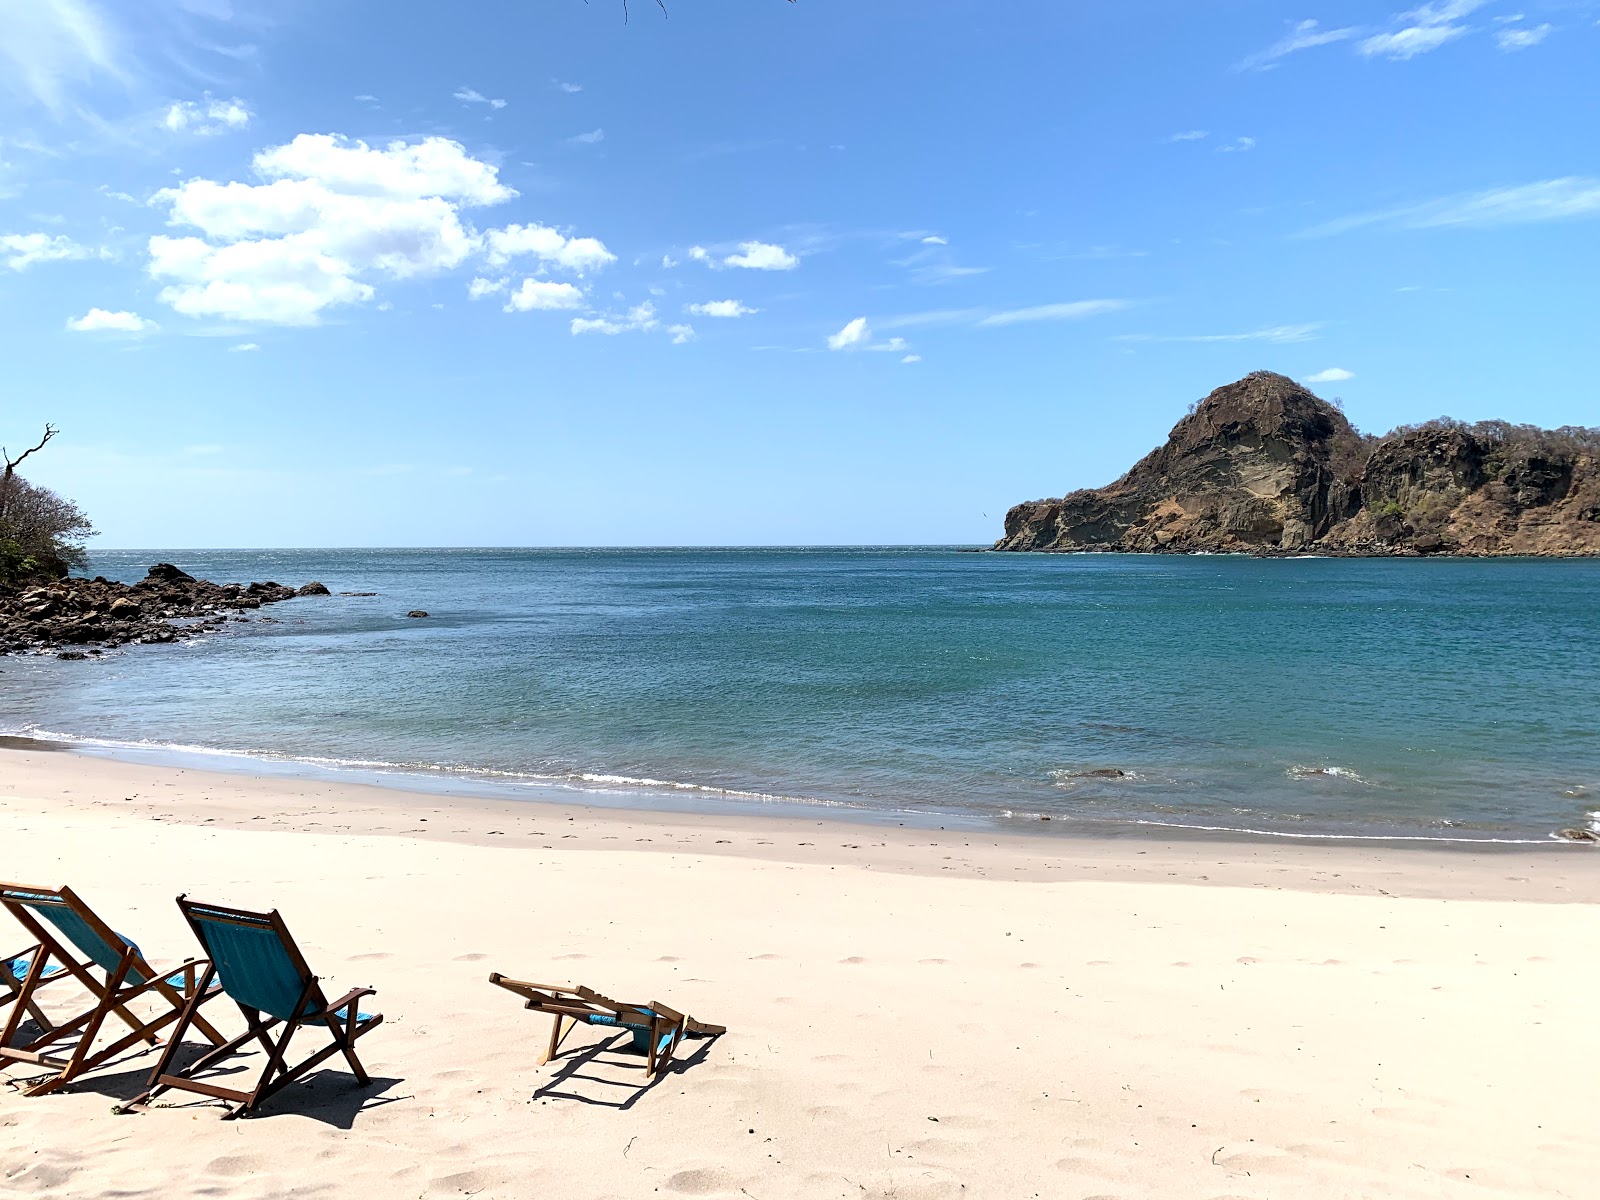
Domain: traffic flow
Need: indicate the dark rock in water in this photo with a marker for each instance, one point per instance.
(358, 593)
(312, 589)
(1101, 773)
(72, 655)
(416, 612)
(1578, 835)
(98, 613)
(167, 573)
(1264, 466)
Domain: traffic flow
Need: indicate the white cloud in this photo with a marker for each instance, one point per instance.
(1423, 29)
(208, 117)
(1305, 35)
(99, 320)
(1331, 375)
(544, 294)
(472, 96)
(760, 256)
(912, 358)
(548, 245)
(722, 308)
(1529, 203)
(640, 319)
(1237, 146)
(243, 348)
(47, 46)
(852, 336)
(1190, 135)
(1279, 335)
(1076, 310)
(699, 253)
(333, 212)
(481, 287)
(681, 334)
(1521, 39)
(23, 250)
(935, 240)
(569, 88)
(587, 139)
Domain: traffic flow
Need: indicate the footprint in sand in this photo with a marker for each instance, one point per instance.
(933, 962)
(1030, 966)
(469, 958)
(765, 957)
(368, 957)
(565, 957)
(1247, 961)
(669, 958)
(852, 959)
(701, 1181)
(237, 1164)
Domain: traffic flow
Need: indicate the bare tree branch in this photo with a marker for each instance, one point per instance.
(12, 463)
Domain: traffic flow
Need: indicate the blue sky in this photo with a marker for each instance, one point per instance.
(515, 273)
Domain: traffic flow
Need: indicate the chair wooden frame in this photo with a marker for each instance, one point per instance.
(657, 1030)
(341, 1018)
(129, 978)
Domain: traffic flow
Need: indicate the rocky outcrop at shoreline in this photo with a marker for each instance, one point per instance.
(77, 618)
(1264, 466)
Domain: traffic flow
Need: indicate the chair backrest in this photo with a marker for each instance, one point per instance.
(76, 922)
(257, 961)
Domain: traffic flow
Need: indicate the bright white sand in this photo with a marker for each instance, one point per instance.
(913, 1015)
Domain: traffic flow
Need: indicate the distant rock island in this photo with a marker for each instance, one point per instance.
(1263, 466)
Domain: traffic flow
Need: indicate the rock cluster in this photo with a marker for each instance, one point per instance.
(80, 617)
(1264, 466)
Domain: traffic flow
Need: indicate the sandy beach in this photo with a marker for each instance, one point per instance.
(912, 1013)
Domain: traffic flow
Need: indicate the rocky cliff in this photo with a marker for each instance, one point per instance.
(1264, 466)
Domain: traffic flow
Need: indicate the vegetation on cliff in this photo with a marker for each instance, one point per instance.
(1264, 466)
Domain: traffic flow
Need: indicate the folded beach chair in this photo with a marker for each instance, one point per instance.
(112, 970)
(260, 969)
(656, 1029)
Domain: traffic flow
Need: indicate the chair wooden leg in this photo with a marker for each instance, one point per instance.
(557, 1035)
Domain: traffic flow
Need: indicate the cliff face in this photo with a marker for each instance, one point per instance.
(1264, 466)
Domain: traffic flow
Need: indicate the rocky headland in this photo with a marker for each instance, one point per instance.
(1263, 466)
(78, 618)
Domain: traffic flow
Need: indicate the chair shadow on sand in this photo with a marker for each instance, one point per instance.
(331, 1096)
(574, 1079)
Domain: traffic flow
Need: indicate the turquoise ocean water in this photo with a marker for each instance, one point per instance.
(1311, 697)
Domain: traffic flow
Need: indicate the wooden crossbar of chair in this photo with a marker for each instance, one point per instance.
(275, 991)
(657, 1030)
(112, 970)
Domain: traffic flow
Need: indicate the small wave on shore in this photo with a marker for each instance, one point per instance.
(1344, 774)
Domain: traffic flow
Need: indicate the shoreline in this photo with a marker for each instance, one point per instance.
(1556, 872)
(654, 796)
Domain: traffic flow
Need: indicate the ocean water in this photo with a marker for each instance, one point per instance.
(1427, 699)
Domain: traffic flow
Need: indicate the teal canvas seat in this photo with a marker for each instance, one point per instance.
(75, 945)
(254, 961)
(656, 1029)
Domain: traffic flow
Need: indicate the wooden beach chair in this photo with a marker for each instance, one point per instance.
(657, 1030)
(255, 960)
(112, 970)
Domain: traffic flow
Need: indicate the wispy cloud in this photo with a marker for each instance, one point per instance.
(1422, 30)
(723, 308)
(207, 117)
(750, 256)
(593, 137)
(1188, 135)
(1239, 145)
(1075, 310)
(473, 96)
(1522, 38)
(571, 89)
(1331, 375)
(19, 251)
(48, 47)
(1280, 335)
(1529, 203)
(1304, 35)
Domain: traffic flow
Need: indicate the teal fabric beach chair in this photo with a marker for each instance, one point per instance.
(257, 965)
(112, 970)
(657, 1030)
